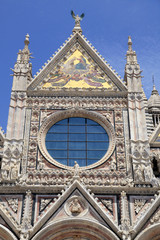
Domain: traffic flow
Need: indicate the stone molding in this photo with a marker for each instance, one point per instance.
(76, 112)
(93, 103)
(86, 193)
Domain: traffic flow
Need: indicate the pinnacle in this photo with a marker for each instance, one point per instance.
(131, 55)
(26, 41)
(129, 43)
(154, 91)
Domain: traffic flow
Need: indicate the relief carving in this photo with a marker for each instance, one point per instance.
(108, 203)
(13, 203)
(76, 206)
(139, 204)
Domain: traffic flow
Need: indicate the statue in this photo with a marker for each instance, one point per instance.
(4, 174)
(77, 19)
(138, 173)
(14, 171)
(148, 173)
(75, 206)
(76, 169)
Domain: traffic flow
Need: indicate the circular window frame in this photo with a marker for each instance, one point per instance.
(60, 115)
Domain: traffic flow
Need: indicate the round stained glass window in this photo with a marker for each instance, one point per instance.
(77, 139)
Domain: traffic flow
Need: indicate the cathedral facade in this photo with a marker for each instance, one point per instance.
(81, 155)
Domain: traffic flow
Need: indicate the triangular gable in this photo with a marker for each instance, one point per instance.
(76, 206)
(138, 205)
(8, 218)
(155, 137)
(76, 66)
(67, 197)
(43, 203)
(146, 214)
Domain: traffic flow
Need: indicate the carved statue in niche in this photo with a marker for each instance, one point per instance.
(14, 171)
(5, 173)
(148, 173)
(98, 181)
(144, 173)
(107, 181)
(113, 166)
(138, 173)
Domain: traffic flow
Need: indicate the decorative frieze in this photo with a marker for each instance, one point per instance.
(89, 178)
(11, 160)
(93, 103)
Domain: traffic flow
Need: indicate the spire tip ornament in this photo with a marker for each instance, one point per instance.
(129, 43)
(153, 81)
(26, 41)
(154, 90)
(77, 27)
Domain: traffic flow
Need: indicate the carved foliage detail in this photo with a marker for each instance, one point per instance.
(13, 203)
(44, 202)
(138, 205)
(156, 217)
(108, 203)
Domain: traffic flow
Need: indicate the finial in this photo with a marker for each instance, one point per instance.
(26, 41)
(153, 82)
(77, 27)
(154, 91)
(129, 43)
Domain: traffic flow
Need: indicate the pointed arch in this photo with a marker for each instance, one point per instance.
(153, 232)
(5, 233)
(70, 228)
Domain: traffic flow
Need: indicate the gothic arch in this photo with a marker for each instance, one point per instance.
(151, 233)
(5, 233)
(74, 228)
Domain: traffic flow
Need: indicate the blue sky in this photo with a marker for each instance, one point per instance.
(107, 25)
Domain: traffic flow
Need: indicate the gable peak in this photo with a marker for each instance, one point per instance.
(79, 42)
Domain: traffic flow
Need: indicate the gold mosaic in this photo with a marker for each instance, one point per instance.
(158, 138)
(77, 72)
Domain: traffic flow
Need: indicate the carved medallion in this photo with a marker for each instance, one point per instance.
(76, 206)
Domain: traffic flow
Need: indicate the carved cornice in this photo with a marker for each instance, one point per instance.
(82, 102)
(73, 92)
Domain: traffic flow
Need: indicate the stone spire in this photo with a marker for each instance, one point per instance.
(131, 55)
(154, 91)
(136, 112)
(77, 27)
(22, 72)
(24, 55)
(154, 100)
(13, 144)
(132, 70)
